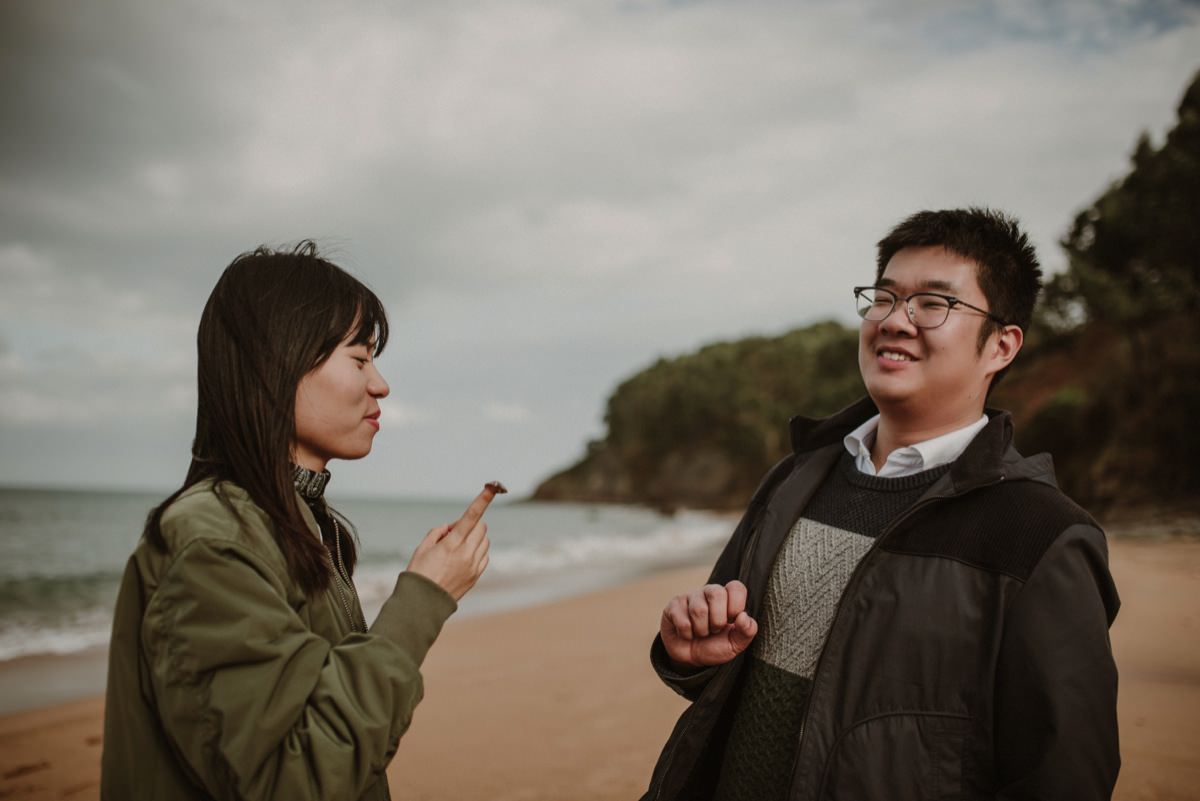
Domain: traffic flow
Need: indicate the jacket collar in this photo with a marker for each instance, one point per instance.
(989, 458)
(810, 433)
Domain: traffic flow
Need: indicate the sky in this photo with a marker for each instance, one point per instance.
(547, 196)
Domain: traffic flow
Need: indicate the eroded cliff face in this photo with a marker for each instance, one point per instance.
(701, 429)
(703, 478)
(598, 478)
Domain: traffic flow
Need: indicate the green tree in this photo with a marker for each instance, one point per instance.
(1128, 306)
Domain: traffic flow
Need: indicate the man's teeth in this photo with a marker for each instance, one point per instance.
(896, 357)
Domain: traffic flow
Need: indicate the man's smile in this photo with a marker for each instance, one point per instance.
(895, 354)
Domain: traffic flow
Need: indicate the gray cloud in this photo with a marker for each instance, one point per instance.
(547, 197)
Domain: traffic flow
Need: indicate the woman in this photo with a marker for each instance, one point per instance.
(241, 666)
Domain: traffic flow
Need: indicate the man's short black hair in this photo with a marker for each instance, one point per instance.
(1006, 265)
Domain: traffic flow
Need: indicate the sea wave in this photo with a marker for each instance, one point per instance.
(41, 614)
(69, 613)
(544, 569)
(56, 591)
(80, 631)
(677, 539)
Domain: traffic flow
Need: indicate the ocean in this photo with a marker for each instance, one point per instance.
(66, 551)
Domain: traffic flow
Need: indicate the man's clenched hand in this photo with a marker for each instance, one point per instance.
(707, 626)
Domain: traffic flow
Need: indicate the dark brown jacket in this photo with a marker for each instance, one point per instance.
(969, 656)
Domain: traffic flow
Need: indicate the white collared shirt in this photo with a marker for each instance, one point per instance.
(911, 458)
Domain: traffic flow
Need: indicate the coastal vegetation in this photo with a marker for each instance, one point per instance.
(1108, 383)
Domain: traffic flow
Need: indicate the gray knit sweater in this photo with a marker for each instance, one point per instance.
(811, 570)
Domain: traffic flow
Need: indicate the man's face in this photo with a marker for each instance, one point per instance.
(928, 372)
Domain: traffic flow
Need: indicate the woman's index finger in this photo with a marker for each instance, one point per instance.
(479, 506)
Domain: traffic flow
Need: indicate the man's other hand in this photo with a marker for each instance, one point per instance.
(708, 626)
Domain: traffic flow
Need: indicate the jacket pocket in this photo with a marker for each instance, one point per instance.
(903, 756)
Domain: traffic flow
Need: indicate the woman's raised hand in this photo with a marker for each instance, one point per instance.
(455, 556)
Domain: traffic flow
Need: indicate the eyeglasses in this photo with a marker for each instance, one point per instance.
(925, 309)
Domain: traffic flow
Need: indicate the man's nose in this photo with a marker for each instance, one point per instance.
(899, 320)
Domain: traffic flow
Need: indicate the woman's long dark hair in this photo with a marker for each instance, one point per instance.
(273, 317)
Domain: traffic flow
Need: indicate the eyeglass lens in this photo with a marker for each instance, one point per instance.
(925, 311)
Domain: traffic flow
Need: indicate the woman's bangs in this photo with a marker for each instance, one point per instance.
(371, 321)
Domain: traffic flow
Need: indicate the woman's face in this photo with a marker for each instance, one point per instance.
(337, 407)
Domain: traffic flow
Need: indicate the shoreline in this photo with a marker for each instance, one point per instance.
(557, 701)
(39, 680)
(61, 602)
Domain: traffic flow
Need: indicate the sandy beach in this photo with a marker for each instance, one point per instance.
(557, 702)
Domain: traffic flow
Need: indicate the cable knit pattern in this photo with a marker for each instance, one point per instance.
(810, 573)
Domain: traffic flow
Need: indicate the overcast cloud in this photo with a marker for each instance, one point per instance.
(547, 196)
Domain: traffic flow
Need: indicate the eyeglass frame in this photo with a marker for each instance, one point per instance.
(951, 303)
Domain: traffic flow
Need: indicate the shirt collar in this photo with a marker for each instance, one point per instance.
(911, 458)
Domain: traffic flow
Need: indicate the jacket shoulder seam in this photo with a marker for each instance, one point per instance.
(951, 558)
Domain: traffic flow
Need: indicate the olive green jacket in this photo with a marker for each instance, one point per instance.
(226, 682)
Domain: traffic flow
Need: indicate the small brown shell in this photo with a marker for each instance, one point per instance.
(496, 487)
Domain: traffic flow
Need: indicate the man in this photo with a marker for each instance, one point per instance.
(909, 608)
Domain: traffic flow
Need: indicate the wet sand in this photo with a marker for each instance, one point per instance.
(557, 702)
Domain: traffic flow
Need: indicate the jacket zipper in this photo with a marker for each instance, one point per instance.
(742, 574)
(854, 577)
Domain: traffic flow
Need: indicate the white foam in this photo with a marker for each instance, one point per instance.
(679, 538)
(80, 632)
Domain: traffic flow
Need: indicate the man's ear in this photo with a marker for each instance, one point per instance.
(1002, 348)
